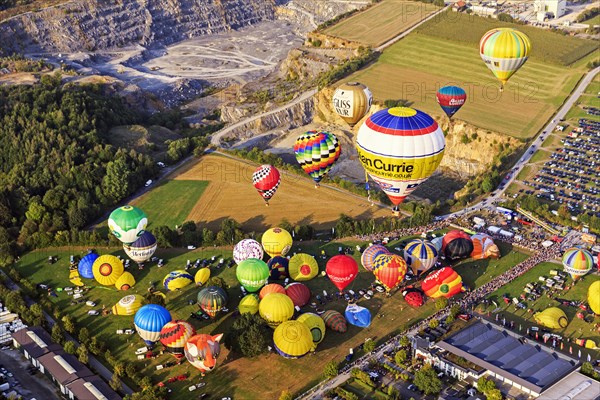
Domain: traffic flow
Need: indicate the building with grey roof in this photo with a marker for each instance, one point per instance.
(34, 342)
(92, 388)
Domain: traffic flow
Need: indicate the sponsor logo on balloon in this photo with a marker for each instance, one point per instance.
(253, 283)
(341, 278)
(381, 165)
(457, 102)
(343, 106)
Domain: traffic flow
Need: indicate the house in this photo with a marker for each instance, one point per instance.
(92, 388)
(459, 6)
(33, 343)
(63, 368)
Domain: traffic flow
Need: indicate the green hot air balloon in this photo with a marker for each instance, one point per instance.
(252, 274)
(127, 223)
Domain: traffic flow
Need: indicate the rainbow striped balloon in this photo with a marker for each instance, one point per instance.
(400, 148)
(316, 152)
(577, 262)
(504, 51)
(174, 335)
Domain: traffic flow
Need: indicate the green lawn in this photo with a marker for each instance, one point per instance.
(171, 202)
(240, 377)
(592, 21)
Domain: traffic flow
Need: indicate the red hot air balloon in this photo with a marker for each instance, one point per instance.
(389, 269)
(266, 180)
(299, 293)
(414, 297)
(342, 270)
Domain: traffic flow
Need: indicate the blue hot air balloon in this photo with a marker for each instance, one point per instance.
(451, 99)
(85, 265)
(149, 320)
(357, 315)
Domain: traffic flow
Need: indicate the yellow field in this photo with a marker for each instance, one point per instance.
(230, 194)
(381, 22)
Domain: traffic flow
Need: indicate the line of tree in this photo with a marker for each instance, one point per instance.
(366, 55)
(588, 14)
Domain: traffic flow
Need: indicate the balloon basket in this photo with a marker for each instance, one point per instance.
(396, 213)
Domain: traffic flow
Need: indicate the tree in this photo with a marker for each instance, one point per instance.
(165, 236)
(400, 357)
(146, 382)
(286, 395)
(434, 323)
(116, 181)
(82, 354)
(84, 335)
(494, 394)
(404, 341)
(504, 17)
(454, 310)
(330, 370)
(154, 298)
(250, 335)
(484, 385)
(487, 185)
(115, 383)
(70, 347)
(427, 380)
(369, 346)
(57, 334)
(69, 323)
(217, 281)
(441, 303)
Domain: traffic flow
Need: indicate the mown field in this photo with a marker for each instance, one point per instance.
(382, 21)
(240, 378)
(577, 328)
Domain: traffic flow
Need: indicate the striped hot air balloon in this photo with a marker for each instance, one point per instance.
(444, 282)
(177, 279)
(451, 99)
(174, 335)
(420, 255)
(142, 249)
(316, 152)
(504, 51)
(212, 299)
(149, 320)
(335, 321)
(266, 180)
(400, 148)
(352, 101)
(577, 262)
(368, 256)
(389, 269)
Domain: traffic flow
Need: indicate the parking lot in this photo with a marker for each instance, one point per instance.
(28, 385)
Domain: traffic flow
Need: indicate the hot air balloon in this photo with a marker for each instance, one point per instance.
(504, 51)
(334, 321)
(127, 223)
(202, 276)
(400, 148)
(553, 318)
(444, 282)
(358, 316)
(389, 269)
(247, 248)
(414, 297)
(249, 304)
(316, 152)
(341, 270)
(420, 255)
(437, 243)
(587, 343)
(270, 288)
(142, 249)
(484, 247)
(276, 308)
(577, 262)
(149, 320)
(125, 281)
(128, 305)
(85, 265)
(368, 256)
(177, 279)
(352, 101)
(202, 351)
(174, 335)
(278, 266)
(593, 297)
(252, 274)
(212, 299)
(457, 244)
(299, 293)
(276, 242)
(74, 277)
(451, 99)
(315, 324)
(266, 180)
(303, 267)
(107, 269)
(293, 339)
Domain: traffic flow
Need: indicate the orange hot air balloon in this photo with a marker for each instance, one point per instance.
(444, 282)
(271, 288)
(389, 269)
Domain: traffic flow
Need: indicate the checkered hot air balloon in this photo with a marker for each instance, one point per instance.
(316, 152)
(389, 269)
(368, 256)
(266, 180)
(504, 51)
(174, 335)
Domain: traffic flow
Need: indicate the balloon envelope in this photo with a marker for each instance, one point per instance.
(316, 152)
(85, 265)
(484, 247)
(577, 262)
(149, 320)
(368, 256)
(400, 148)
(444, 282)
(278, 267)
(341, 270)
(177, 279)
(334, 321)
(504, 51)
(358, 316)
(174, 335)
(553, 318)
(127, 223)
(128, 305)
(249, 304)
(125, 282)
(271, 288)
(107, 269)
(451, 99)
(414, 297)
(202, 276)
(437, 243)
(352, 101)
(266, 180)
(293, 339)
(593, 297)
(245, 249)
(142, 249)
(303, 267)
(315, 324)
(299, 293)
(390, 270)
(252, 274)
(420, 255)
(202, 351)
(212, 299)
(457, 244)
(276, 308)
(276, 242)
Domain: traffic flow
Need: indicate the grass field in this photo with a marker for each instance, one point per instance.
(382, 21)
(171, 202)
(240, 378)
(230, 194)
(576, 329)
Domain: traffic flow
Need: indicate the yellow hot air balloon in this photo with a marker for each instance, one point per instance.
(593, 297)
(107, 269)
(75, 278)
(249, 304)
(315, 324)
(504, 51)
(125, 281)
(352, 101)
(276, 308)
(303, 267)
(400, 148)
(202, 276)
(177, 279)
(553, 318)
(128, 305)
(293, 339)
(276, 242)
